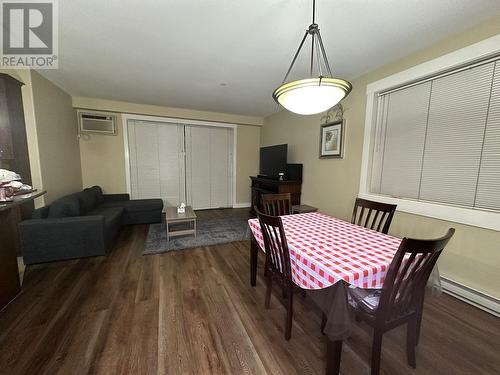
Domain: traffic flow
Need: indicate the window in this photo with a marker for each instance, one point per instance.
(439, 140)
(432, 137)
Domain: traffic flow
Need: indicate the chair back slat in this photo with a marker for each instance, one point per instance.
(407, 276)
(276, 247)
(277, 204)
(378, 217)
(376, 220)
(368, 217)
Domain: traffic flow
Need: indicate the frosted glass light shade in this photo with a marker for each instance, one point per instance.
(312, 95)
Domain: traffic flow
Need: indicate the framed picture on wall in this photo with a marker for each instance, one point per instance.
(331, 140)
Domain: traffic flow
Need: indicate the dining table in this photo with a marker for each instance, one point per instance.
(327, 256)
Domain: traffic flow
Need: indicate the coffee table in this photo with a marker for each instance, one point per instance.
(172, 219)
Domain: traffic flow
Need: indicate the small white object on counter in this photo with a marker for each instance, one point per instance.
(181, 209)
(8, 176)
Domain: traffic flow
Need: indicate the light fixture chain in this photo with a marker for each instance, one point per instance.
(318, 57)
(314, 11)
(312, 55)
(296, 55)
(324, 54)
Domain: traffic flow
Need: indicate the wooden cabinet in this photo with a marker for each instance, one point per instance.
(13, 143)
(268, 186)
(6, 146)
(10, 216)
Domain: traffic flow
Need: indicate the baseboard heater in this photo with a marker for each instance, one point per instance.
(471, 296)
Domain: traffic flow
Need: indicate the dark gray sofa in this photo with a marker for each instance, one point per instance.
(82, 224)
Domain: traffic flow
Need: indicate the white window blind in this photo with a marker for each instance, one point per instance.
(439, 140)
(488, 187)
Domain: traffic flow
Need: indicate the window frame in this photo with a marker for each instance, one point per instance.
(465, 215)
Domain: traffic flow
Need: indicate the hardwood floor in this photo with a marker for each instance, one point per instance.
(194, 312)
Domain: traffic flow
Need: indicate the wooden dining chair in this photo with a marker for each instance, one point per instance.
(277, 204)
(400, 301)
(373, 215)
(277, 264)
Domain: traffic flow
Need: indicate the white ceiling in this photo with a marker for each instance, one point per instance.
(178, 52)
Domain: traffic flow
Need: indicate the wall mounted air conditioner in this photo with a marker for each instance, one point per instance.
(97, 122)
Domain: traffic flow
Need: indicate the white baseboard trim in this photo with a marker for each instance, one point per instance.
(242, 205)
(471, 296)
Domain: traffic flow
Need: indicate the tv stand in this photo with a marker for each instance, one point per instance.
(269, 186)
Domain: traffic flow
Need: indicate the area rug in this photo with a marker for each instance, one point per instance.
(212, 227)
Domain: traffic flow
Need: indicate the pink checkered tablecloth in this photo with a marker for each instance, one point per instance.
(324, 250)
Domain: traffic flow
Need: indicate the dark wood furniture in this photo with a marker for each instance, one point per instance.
(276, 204)
(13, 142)
(378, 216)
(277, 265)
(10, 216)
(400, 301)
(303, 209)
(262, 186)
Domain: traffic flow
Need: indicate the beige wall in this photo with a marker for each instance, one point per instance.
(473, 256)
(103, 157)
(56, 129)
(247, 160)
(103, 161)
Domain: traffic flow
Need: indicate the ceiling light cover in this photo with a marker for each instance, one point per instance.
(315, 94)
(312, 95)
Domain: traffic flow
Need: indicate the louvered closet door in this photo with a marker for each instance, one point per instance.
(209, 166)
(144, 166)
(157, 165)
(172, 164)
(198, 166)
(221, 167)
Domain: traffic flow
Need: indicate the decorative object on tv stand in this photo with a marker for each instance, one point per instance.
(331, 140)
(312, 95)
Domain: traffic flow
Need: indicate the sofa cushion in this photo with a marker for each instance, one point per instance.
(98, 193)
(112, 217)
(136, 205)
(88, 201)
(41, 213)
(65, 207)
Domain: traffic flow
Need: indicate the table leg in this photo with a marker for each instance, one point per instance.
(254, 252)
(166, 228)
(333, 355)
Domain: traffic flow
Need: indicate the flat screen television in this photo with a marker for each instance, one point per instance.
(273, 160)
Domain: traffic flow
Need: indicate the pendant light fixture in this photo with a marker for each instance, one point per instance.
(315, 94)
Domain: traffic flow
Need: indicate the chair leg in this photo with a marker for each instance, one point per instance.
(333, 354)
(411, 341)
(289, 314)
(376, 352)
(420, 314)
(269, 289)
